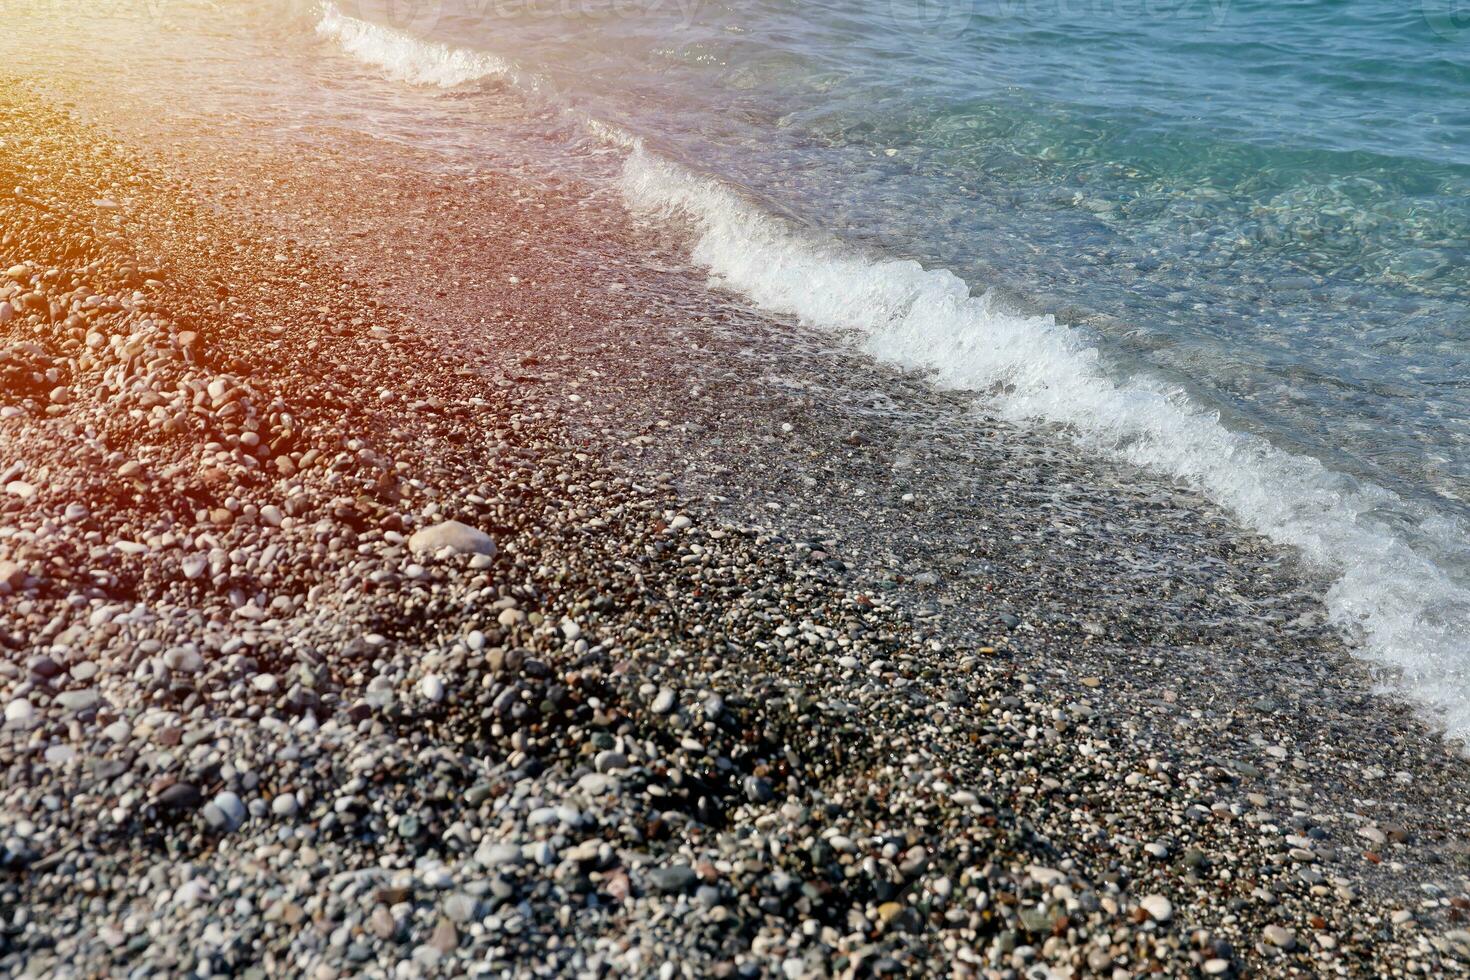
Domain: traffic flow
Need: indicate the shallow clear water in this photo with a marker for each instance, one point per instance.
(1126, 217)
(1268, 200)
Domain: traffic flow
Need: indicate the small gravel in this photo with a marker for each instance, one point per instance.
(301, 679)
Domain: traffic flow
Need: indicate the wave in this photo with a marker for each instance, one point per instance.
(407, 59)
(1404, 610)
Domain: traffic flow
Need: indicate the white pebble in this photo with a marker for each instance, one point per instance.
(1159, 908)
(19, 712)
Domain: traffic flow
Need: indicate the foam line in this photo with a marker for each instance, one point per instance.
(1406, 610)
(408, 59)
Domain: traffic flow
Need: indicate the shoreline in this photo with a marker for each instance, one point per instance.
(664, 723)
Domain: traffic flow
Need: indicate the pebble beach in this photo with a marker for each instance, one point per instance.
(376, 602)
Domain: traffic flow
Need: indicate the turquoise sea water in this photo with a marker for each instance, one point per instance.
(1268, 201)
(1228, 240)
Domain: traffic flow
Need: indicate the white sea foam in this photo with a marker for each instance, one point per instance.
(407, 59)
(1406, 611)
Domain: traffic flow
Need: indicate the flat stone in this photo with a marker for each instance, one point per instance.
(1032, 918)
(498, 855)
(460, 907)
(1279, 936)
(79, 700)
(60, 755)
(180, 796)
(452, 536)
(610, 760)
(44, 666)
(673, 880)
(596, 783)
(445, 938)
(183, 660)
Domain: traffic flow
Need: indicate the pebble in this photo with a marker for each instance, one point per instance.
(492, 855)
(180, 796)
(452, 536)
(58, 755)
(861, 773)
(12, 574)
(382, 923)
(226, 811)
(664, 702)
(460, 907)
(77, 700)
(609, 761)
(183, 659)
(1280, 937)
(445, 938)
(673, 880)
(1159, 908)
